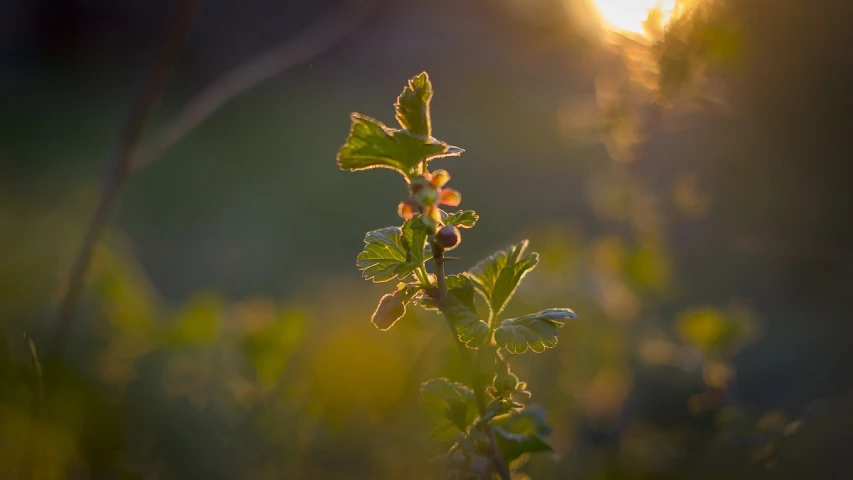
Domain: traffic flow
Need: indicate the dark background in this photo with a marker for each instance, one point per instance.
(252, 204)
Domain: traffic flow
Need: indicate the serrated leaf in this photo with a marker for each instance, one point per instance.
(497, 277)
(412, 106)
(371, 144)
(536, 331)
(450, 406)
(461, 219)
(384, 255)
(460, 308)
(522, 432)
(414, 241)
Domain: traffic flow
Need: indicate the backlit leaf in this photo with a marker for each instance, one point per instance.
(414, 241)
(449, 406)
(371, 144)
(497, 277)
(536, 331)
(384, 256)
(461, 219)
(387, 255)
(412, 106)
(522, 432)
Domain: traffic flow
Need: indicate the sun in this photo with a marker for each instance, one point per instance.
(630, 15)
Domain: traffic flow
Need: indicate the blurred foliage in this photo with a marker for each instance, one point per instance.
(296, 383)
(259, 388)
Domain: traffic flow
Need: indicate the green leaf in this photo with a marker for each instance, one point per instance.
(384, 256)
(536, 331)
(412, 106)
(449, 406)
(414, 241)
(513, 445)
(371, 144)
(497, 277)
(504, 287)
(522, 432)
(387, 254)
(460, 308)
(461, 219)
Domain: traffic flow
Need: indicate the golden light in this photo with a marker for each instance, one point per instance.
(631, 15)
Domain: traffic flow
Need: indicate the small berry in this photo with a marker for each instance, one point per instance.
(448, 237)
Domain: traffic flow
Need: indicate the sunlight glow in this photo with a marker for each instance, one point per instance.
(630, 15)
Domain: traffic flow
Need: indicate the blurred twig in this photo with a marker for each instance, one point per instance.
(120, 164)
(128, 159)
(34, 439)
(318, 38)
(34, 358)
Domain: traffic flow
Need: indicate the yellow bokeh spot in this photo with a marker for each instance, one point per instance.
(703, 327)
(356, 371)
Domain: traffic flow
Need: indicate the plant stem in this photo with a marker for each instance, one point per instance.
(120, 167)
(422, 274)
(476, 377)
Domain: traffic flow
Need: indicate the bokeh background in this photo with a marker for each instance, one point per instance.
(704, 238)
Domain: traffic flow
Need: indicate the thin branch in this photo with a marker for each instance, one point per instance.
(317, 39)
(34, 358)
(128, 159)
(35, 437)
(120, 165)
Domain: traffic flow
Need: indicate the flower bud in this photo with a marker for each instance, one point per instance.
(407, 209)
(423, 192)
(391, 308)
(448, 237)
(505, 381)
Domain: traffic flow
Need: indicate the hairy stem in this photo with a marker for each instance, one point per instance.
(469, 360)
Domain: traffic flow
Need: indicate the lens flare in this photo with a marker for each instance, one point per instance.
(632, 15)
